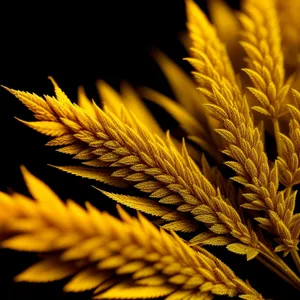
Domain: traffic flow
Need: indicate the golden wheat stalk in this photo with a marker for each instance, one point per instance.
(245, 146)
(119, 259)
(133, 155)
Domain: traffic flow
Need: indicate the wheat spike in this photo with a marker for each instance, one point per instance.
(261, 41)
(244, 146)
(132, 154)
(288, 162)
(156, 168)
(131, 100)
(216, 178)
(133, 103)
(119, 143)
(213, 64)
(93, 247)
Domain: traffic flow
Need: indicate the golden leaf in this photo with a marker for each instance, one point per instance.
(48, 270)
(242, 249)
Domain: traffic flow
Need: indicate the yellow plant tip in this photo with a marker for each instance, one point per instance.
(111, 99)
(7, 88)
(123, 214)
(134, 104)
(54, 83)
(47, 270)
(61, 96)
(221, 13)
(26, 174)
(182, 86)
(42, 193)
(49, 128)
(94, 174)
(87, 279)
(84, 102)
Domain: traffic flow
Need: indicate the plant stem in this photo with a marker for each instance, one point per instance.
(276, 271)
(277, 135)
(280, 264)
(276, 265)
(296, 259)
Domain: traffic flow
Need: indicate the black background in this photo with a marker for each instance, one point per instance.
(78, 43)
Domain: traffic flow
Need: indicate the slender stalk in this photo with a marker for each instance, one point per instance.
(276, 271)
(276, 264)
(296, 259)
(277, 136)
(280, 264)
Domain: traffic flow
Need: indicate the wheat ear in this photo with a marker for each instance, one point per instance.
(288, 161)
(121, 259)
(136, 156)
(133, 155)
(261, 41)
(245, 147)
(210, 59)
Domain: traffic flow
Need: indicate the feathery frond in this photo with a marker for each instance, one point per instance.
(111, 256)
(244, 143)
(288, 162)
(134, 155)
(261, 41)
(153, 167)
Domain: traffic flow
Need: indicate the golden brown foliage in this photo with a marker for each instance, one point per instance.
(121, 144)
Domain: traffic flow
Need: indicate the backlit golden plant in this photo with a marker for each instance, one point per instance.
(225, 114)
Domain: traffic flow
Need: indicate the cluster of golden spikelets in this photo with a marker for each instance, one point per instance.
(124, 259)
(225, 114)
